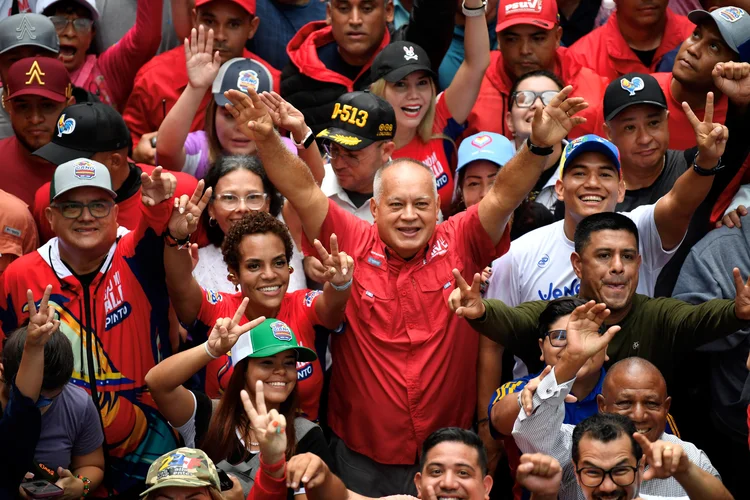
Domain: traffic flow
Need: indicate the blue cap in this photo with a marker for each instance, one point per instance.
(485, 146)
(589, 144)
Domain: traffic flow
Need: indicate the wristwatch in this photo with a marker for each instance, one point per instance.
(705, 172)
(473, 11)
(539, 150)
(306, 142)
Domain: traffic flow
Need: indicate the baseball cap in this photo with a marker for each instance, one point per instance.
(42, 5)
(28, 29)
(84, 130)
(485, 146)
(267, 339)
(42, 76)
(734, 26)
(81, 172)
(183, 467)
(589, 144)
(542, 13)
(248, 5)
(360, 119)
(17, 228)
(399, 59)
(630, 89)
(241, 74)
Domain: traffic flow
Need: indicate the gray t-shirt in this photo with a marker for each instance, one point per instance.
(71, 427)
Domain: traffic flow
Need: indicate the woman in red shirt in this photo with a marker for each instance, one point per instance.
(428, 123)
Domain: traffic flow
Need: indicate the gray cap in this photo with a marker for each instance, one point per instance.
(81, 172)
(733, 24)
(28, 30)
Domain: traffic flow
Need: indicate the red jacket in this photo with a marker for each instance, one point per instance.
(159, 84)
(605, 51)
(488, 114)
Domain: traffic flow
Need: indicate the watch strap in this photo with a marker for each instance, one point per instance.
(706, 172)
(539, 150)
(306, 142)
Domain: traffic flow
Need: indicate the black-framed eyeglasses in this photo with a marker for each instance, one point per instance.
(622, 475)
(557, 338)
(80, 24)
(74, 209)
(525, 98)
(230, 201)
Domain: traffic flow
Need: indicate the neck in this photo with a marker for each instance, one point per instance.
(695, 97)
(81, 261)
(640, 38)
(119, 176)
(403, 136)
(569, 225)
(638, 178)
(582, 387)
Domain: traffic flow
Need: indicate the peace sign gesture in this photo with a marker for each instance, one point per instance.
(187, 212)
(711, 137)
(742, 299)
(553, 122)
(42, 322)
(465, 300)
(250, 113)
(340, 265)
(269, 426)
(227, 331)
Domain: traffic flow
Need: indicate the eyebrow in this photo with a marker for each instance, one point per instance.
(457, 464)
(493, 174)
(249, 260)
(587, 463)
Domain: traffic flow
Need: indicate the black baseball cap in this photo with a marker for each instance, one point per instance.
(241, 74)
(84, 130)
(398, 60)
(630, 89)
(360, 119)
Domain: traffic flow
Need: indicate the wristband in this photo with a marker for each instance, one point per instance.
(205, 346)
(474, 11)
(345, 286)
(171, 241)
(306, 141)
(272, 467)
(705, 172)
(86, 485)
(539, 150)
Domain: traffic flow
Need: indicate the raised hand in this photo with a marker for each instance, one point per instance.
(340, 267)
(284, 115)
(465, 300)
(540, 474)
(42, 322)
(227, 331)
(251, 115)
(733, 80)
(553, 123)
(157, 187)
(526, 400)
(584, 339)
(742, 299)
(665, 459)
(269, 426)
(187, 212)
(202, 63)
(711, 137)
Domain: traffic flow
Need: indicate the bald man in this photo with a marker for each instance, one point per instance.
(632, 387)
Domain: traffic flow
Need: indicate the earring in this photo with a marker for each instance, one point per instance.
(232, 278)
(291, 269)
(212, 222)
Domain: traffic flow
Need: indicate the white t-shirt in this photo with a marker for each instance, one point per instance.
(537, 266)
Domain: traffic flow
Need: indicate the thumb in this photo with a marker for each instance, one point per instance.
(64, 472)
(570, 398)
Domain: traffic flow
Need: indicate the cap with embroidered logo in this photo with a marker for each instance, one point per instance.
(247, 5)
(589, 144)
(542, 13)
(22, 30)
(488, 146)
(400, 59)
(185, 468)
(630, 89)
(267, 339)
(359, 119)
(241, 74)
(42, 76)
(734, 27)
(81, 172)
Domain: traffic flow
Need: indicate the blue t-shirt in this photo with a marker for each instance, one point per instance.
(456, 55)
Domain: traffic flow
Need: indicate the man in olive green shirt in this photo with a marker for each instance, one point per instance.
(606, 260)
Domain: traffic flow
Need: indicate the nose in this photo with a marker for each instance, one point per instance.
(608, 485)
(537, 103)
(356, 17)
(69, 31)
(220, 34)
(616, 266)
(694, 49)
(409, 213)
(593, 180)
(637, 414)
(449, 481)
(86, 215)
(643, 137)
(242, 207)
(267, 273)
(525, 47)
(36, 117)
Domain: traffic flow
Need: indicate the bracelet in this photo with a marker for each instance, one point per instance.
(205, 346)
(171, 241)
(345, 286)
(539, 150)
(705, 172)
(86, 485)
(306, 141)
(273, 467)
(474, 11)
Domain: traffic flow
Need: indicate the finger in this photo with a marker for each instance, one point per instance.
(260, 398)
(739, 284)
(322, 252)
(607, 337)
(156, 175)
(544, 373)
(343, 261)
(182, 203)
(742, 210)
(249, 409)
(334, 246)
(431, 495)
(205, 199)
(694, 121)
(193, 40)
(240, 312)
(313, 469)
(560, 97)
(30, 302)
(735, 219)
(295, 475)
(708, 114)
(460, 281)
(476, 284)
(186, 44)
(644, 442)
(577, 108)
(201, 39)
(252, 324)
(210, 42)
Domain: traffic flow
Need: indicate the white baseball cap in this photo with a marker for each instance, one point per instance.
(81, 172)
(42, 5)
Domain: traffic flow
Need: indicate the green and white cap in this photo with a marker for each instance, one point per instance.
(267, 339)
(81, 172)
(183, 467)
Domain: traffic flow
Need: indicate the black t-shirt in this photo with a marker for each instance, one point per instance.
(358, 199)
(581, 22)
(330, 57)
(675, 165)
(646, 56)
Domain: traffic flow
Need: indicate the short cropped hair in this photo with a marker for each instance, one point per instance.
(58, 358)
(377, 183)
(254, 223)
(605, 427)
(455, 435)
(556, 309)
(604, 221)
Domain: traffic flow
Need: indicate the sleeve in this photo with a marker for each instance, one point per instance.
(305, 304)
(430, 26)
(442, 115)
(353, 232)
(196, 159)
(473, 243)
(267, 487)
(504, 280)
(41, 202)
(120, 63)
(507, 388)
(689, 326)
(90, 435)
(741, 198)
(20, 426)
(155, 218)
(514, 328)
(195, 428)
(654, 255)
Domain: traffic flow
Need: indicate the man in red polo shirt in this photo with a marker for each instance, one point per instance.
(528, 40)
(404, 366)
(160, 82)
(634, 39)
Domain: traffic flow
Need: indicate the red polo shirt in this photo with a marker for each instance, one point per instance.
(405, 365)
(22, 173)
(605, 51)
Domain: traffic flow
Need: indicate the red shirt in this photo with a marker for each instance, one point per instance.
(159, 84)
(433, 154)
(605, 51)
(297, 311)
(23, 173)
(406, 365)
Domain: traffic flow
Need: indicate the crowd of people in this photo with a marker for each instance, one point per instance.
(360, 249)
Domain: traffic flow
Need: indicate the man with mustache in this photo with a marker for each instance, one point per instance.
(161, 81)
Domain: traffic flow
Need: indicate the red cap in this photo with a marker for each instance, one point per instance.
(542, 13)
(248, 5)
(43, 76)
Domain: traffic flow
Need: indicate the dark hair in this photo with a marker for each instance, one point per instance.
(226, 165)
(58, 358)
(605, 427)
(454, 435)
(528, 216)
(254, 223)
(555, 310)
(605, 221)
(532, 74)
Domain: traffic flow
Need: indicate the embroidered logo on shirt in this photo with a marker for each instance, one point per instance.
(310, 296)
(481, 141)
(65, 126)
(730, 14)
(543, 261)
(632, 86)
(115, 306)
(248, 79)
(636, 345)
(440, 248)
(409, 54)
(213, 297)
(375, 262)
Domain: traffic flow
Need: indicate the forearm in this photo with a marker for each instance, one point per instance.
(331, 489)
(31, 371)
(311, 156)
(331, 306)
(185, 293)
(93, 473)
(489, 372)
(169, 375)
(476, 40)
(698, 483)
(173, 131)
(674, 211)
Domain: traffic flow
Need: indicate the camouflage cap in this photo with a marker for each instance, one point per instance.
(183, 467)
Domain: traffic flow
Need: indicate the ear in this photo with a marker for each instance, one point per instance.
(234, 276)
(418, 483)
(576, 261)
(558, 36)
(328, 13)
(210, 209)
(115, 211)
(667, 403)
(621, 188)
(388, 148)
(601, 403)
(487, 482)
(194, 15)
(541, 348)
(509, 124)
(48, 215)
(559, 189)
(389, 9)
(374, 209)
(254, 23)
(608, 130)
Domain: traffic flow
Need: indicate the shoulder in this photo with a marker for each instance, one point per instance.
(162, 64)
(304, 297)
